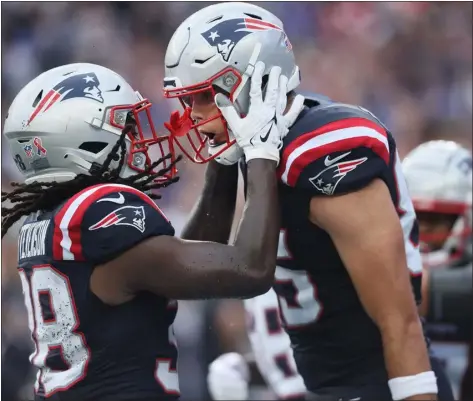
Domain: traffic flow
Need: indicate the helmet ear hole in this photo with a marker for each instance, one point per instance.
(93, 147)
(218, 89)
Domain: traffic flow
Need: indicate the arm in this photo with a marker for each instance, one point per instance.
(212, 216)
(181, 269)
(365, 229)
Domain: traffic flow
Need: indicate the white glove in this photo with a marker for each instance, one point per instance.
(257, 133)
(228, 377)
(285, 121)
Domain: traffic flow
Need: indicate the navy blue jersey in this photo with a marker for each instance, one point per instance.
(333, 149)
(84, 349)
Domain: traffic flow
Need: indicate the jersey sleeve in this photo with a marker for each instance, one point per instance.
(103, 221)
(272, 347)
(337, 157)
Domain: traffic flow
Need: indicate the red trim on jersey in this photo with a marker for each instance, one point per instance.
(57, 233)
(345, 144)
(75, 224)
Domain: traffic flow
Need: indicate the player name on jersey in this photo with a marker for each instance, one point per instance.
(32, 240)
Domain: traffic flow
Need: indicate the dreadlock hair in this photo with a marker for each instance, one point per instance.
(36, 196)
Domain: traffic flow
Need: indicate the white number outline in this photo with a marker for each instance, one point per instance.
(54, 282)
(164, 375)
(309, 307)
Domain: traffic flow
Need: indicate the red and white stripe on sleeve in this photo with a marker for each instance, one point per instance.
(337, 136)
(67, 244)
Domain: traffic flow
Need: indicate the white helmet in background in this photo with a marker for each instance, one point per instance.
(215, 50)
(68, 119)
(439, 178)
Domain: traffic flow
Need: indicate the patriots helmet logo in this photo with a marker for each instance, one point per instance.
(226, 34)
(327, 180)
(133, 216)
(75, 86)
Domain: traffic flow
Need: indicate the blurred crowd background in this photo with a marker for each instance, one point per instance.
(409, 63)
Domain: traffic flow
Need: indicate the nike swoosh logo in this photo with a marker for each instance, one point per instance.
(265, 138)
(329, 162)
(120, 200)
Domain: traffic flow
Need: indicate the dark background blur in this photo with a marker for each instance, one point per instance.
(409, 63)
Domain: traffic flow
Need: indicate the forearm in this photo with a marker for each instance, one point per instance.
(212, 216)
(183, 269)
(259, 227)
(406, 355)
(405, 350)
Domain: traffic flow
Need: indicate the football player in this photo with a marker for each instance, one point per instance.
(438, 175)
(439, 178)
(97, 258)
(228, 375)
(349, 270)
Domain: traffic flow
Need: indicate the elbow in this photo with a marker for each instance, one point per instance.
(255, 288)
(261, 285)
(260, 277)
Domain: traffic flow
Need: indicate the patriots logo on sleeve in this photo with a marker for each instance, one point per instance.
(133, 216)
(226, 34)
(327, 180)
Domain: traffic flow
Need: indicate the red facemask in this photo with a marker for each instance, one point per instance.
(454, 209)
(146, 145)
(184, 130)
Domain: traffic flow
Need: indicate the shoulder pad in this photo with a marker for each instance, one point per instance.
(103, 220)
(330, 129)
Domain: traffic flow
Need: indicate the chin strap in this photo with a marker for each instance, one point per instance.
(56, 176)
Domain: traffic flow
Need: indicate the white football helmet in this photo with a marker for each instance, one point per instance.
(439, 178)
(215, 50)
(68, 119)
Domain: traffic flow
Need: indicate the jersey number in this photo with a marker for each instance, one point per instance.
(19, 162)
(61, 352)
(165, 374)
(296, 292)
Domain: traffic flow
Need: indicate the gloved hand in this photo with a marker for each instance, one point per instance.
(285, 121)
(228, 377)
(257, 133)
